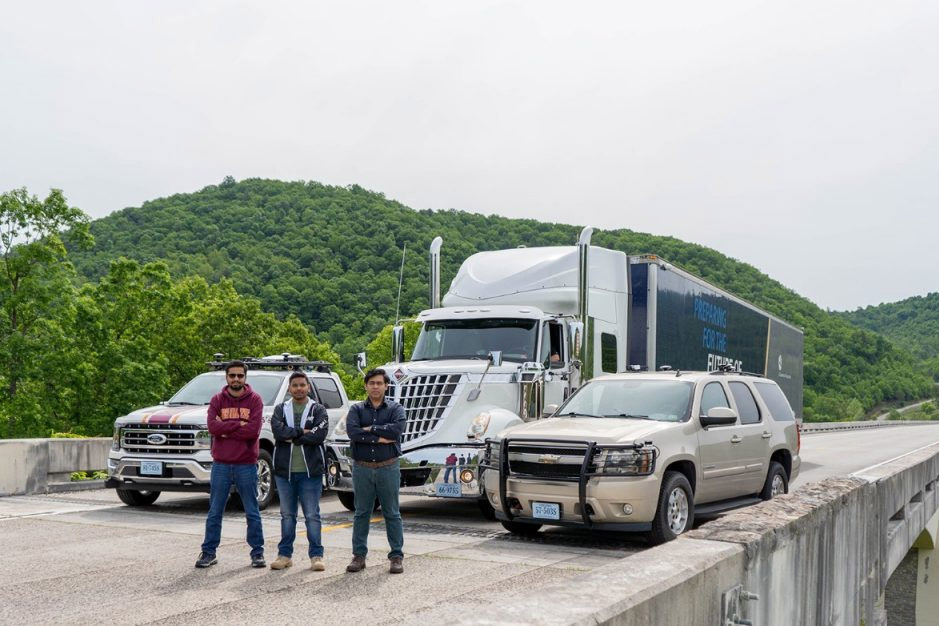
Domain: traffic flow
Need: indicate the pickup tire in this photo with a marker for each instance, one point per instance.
(485, 508)
(777, 483)
(675, 512)
(347, 498)
(521, 528)
(266, 488)
(137, 498)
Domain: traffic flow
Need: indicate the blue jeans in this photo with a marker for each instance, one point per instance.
(307, 491)
(383, 483)
(245, 480)
(447, 473)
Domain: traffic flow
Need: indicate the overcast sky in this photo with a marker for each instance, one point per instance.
(799, 137)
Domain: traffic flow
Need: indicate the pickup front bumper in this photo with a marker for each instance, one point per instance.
(424, 470)
(179, 474)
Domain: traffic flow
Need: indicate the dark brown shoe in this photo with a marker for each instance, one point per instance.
(357, 564)
(397, 567)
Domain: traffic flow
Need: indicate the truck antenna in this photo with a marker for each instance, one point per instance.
(404, 251)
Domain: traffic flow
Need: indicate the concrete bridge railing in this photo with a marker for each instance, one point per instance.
(44, 465)
(821, 555)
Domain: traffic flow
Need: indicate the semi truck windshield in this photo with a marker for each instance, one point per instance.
(474, 339)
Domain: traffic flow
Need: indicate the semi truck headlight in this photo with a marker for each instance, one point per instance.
(203, 439)
(628, 462)
(116, 440)
(478, 428)
(341, 427)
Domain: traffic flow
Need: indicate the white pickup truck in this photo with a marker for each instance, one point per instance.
(167, 447)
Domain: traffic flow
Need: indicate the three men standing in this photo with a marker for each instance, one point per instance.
(234, 420)
(300, 426)
(375, 428)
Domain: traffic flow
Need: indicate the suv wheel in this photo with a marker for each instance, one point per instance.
(777, 483)
(137, 498)
(485, 508)
(265, 479)
(520, 528)
(347, 498)
(675, 512)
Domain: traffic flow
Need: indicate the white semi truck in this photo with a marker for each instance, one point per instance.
(519, 330)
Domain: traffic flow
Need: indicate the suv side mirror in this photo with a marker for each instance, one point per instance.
(551, 409)
(719, 416)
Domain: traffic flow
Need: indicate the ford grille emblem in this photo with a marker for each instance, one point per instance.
(156, 439)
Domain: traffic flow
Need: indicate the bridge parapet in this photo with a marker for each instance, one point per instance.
(42, 465)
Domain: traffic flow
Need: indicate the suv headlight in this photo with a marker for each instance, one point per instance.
(116, 440)
(627, 461)
(341, 427)
(203, 439)
(478, 428)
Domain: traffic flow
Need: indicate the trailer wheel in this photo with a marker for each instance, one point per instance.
(521, 528)
(137, 498)
(347, 498)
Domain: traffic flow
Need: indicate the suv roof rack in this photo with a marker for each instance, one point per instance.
(285, 361)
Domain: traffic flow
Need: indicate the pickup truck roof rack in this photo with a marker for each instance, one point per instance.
(286, 361)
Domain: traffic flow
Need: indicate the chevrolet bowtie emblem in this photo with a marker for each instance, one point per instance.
(549, 458)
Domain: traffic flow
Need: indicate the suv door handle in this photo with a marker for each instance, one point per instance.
(767, 435)
(735, 439)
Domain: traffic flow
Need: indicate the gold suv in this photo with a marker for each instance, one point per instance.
(645, 452)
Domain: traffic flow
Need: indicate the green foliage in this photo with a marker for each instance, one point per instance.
(912, 324)
(94, 475)
(259, 267)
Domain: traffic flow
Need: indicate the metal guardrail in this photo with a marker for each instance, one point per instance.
(824, 427)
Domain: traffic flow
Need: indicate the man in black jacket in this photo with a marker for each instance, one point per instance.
(375, 427)
(300, 426)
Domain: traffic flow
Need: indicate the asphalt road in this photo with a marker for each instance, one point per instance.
(83, 557)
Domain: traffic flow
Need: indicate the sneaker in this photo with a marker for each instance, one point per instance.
(397, 567)
(205, 560)
(357, 564)
(281, 562)
(317, 564)
(258, 561)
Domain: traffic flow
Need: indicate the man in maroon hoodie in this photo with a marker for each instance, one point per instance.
(235, 415)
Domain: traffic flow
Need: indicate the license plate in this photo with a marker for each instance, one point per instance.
(546, 510)
(151, 468)
(449, 490)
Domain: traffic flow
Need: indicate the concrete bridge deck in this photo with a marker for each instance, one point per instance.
(84, 557)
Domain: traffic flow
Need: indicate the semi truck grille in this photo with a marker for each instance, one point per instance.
(176, 439)
(426, 401)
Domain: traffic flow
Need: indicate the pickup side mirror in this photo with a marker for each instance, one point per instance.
(719, 416)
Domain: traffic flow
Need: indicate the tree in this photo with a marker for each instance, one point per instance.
(34, 282)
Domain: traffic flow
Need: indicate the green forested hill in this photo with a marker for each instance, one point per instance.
(331, 255)
(912, 324)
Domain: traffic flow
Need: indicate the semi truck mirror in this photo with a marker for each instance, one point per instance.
(397, 344)
(360, 362)
(576, 330)
(495, 357)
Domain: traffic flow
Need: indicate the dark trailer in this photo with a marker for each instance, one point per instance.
(681, 321)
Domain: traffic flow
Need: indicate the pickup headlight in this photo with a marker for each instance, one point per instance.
(341, 427)
(478, 428)
(203, 440)
(627, 461)
(116, 440)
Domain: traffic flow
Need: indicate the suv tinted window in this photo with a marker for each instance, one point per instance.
(746, 405)
(775, 401)
(712, 396)
(328, 392)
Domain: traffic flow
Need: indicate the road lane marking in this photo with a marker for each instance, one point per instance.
(327, 529)
(867, 469)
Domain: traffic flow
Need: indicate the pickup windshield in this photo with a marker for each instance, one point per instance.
(200, 389)
(475, 338)
(660, 400)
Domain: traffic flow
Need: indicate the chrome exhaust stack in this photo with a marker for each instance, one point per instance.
(583, 297)
(435, 272)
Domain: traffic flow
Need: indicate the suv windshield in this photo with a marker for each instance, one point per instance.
(661, 400)
(200, 389)
(470, 339)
